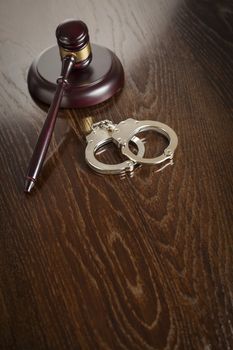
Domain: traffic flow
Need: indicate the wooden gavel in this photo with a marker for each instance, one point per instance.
(75, 50)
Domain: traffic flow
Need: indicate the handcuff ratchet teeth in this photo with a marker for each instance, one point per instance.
(122, 134)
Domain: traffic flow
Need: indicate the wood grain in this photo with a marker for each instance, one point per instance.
(105, 262)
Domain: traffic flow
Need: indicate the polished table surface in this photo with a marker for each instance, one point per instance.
(105, 262)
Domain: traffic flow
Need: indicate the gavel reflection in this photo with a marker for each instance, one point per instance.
(73, 41)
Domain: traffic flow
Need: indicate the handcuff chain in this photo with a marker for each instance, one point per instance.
(104, 124)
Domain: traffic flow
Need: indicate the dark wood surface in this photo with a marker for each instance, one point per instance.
(104, 262)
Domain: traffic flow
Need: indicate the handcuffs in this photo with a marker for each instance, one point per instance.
(122, 134)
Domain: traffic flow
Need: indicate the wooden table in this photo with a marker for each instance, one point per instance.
(104, 262)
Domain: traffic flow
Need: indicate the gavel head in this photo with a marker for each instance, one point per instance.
(73, 40)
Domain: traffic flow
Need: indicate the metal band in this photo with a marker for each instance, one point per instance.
(100, 137)
(130, 127)
(81, 55)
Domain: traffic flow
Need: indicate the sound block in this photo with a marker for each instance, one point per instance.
(103, 78)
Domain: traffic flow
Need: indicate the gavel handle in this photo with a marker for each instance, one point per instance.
(44, 139)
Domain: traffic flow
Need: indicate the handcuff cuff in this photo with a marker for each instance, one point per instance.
(122, 134)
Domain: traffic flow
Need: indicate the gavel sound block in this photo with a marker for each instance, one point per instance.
(74, 74)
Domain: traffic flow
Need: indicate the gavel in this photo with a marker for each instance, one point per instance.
(75, 50)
